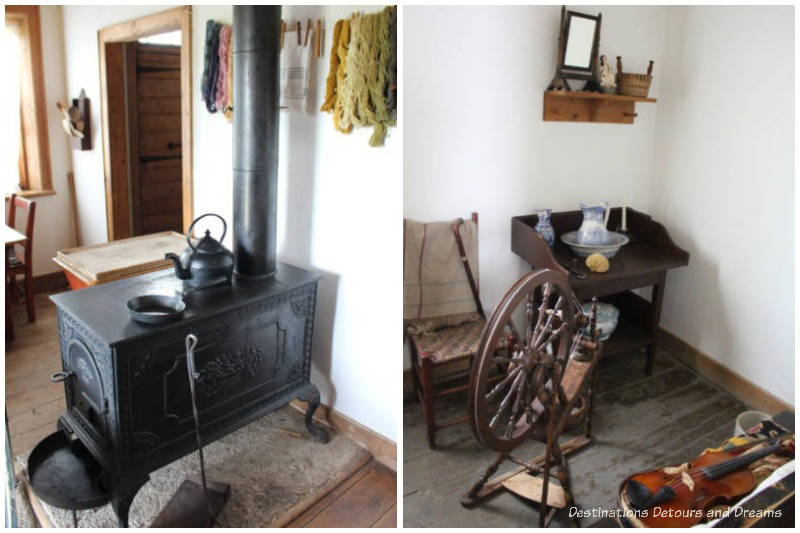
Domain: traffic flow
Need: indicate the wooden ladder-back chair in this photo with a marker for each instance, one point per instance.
(22, 265)
(444, 325)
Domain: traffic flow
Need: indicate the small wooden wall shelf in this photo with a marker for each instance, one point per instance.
(579, 106)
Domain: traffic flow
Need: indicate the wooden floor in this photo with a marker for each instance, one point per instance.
(640, 422)
(368, 498)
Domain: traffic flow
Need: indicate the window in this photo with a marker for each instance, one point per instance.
(26, 166)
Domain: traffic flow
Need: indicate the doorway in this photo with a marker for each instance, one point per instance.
(145, 69)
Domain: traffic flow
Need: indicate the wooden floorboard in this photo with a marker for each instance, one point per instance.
(640, 422)
(363, 504)
(367, 498)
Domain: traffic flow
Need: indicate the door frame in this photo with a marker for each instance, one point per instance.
(115, 157)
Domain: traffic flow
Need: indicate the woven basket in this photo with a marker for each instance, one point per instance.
(634, 84)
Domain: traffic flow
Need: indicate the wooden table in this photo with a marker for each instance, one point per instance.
(641, 263)
(101, 263)
(11, 237)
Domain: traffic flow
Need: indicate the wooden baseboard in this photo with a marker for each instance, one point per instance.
(54, 281)
(739, 386)
(383, 449)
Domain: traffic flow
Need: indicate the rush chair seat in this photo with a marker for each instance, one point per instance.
(22, 264)
(443, 315)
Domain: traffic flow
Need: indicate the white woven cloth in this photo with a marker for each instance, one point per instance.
(434, 279)
(296, 72)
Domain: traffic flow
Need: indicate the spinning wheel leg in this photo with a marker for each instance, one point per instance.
(470, 499)
(546, 382)
(590, 399)
(563, 478)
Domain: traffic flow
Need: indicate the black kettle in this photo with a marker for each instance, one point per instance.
(207, 263)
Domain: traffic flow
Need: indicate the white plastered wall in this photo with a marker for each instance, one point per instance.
(712, 160)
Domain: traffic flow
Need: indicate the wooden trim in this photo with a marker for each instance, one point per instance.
(179, 18)
(383, 449)
(186, 117)
(54, 281)
(115, 135)
(132, 134)
(734, 383)
(34, 113)
(34, 194)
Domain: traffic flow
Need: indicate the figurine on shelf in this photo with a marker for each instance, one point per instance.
(606, 76)
(543, 226)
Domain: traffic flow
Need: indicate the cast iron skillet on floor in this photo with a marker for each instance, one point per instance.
(64, 474)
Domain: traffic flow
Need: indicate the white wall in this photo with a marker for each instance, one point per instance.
(337, 198)
(712, 160)
(475, 140)
(81, 24)
(723, 185)
(53, 223)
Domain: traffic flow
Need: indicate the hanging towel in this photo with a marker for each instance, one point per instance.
(435, 281)
(222, 76)
(296, 74)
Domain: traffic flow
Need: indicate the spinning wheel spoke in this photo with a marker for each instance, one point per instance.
(552, 313)
(506, 411)
(506, 401)
(553, 336)
(495, 392)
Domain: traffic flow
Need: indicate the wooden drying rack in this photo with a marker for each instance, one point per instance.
(317, 42)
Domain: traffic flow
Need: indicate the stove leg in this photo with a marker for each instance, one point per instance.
(122, 499)
(311, 395)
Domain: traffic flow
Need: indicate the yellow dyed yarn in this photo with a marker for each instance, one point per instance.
(366, 70)
(330, 82)
(378, 79)
(342, 52)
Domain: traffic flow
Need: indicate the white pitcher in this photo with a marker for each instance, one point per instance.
(593, 230)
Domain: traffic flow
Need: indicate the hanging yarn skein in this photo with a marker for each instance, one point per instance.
(361, 83)
(341, 51)
(330, 83)
(362, 93)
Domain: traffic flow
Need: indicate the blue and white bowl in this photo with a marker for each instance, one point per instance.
(615, 242)
(607, 318)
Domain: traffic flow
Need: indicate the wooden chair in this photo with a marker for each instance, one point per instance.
(22, 265)
(448, 345)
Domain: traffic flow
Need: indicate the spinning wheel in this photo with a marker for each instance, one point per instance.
(538, 385)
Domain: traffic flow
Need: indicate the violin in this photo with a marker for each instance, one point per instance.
(669, 497)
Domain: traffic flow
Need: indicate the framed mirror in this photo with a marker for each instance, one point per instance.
(578, 47)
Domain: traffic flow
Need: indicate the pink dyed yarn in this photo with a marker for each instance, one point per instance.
(222, 78)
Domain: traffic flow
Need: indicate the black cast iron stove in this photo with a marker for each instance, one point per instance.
(127, 392)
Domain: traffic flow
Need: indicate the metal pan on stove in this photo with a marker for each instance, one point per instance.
(159, 308)
(156, 308)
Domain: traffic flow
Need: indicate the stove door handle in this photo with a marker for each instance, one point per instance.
(61, 376)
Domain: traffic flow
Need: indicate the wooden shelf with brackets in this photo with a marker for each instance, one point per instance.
(582, 106)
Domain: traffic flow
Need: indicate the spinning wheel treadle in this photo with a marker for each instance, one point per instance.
(539, 385)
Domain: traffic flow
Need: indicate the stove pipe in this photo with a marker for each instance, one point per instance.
(256, 71)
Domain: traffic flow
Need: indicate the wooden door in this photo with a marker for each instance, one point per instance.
(154, 121)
